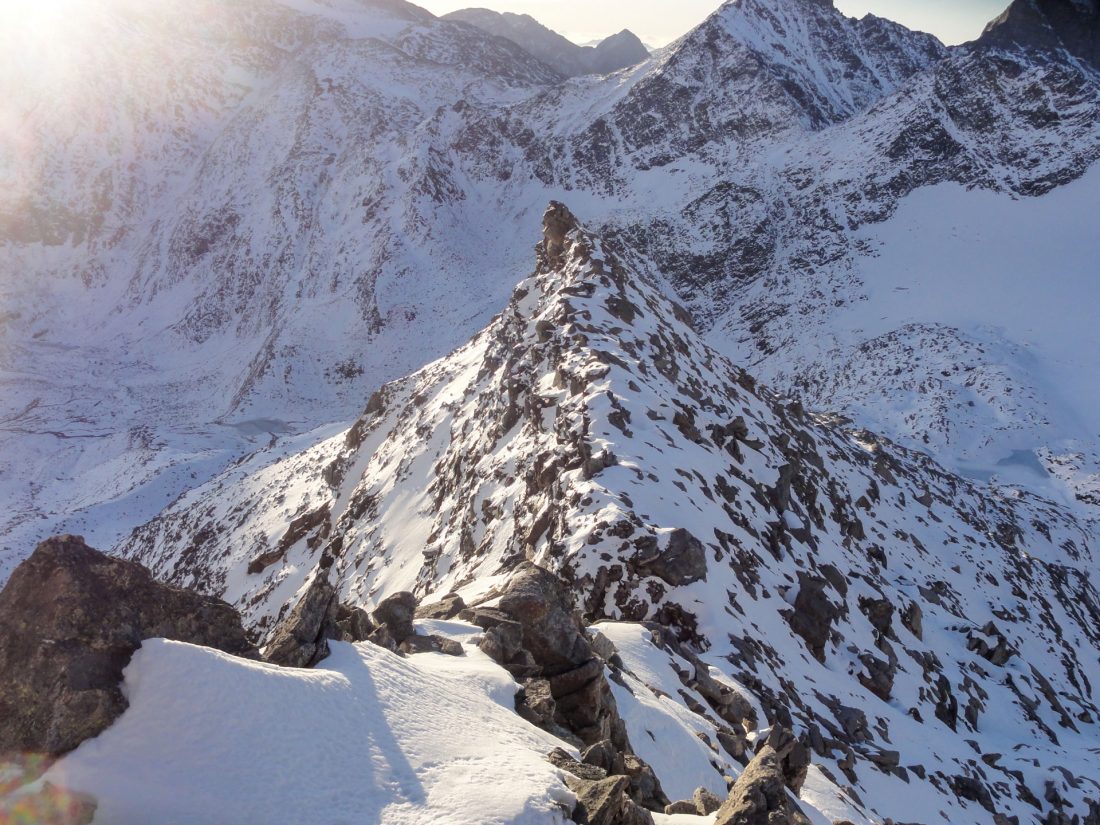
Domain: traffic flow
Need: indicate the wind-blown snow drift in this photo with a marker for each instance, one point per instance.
(367, 737)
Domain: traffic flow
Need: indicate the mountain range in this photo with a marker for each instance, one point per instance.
(796, 399)
(619, 51)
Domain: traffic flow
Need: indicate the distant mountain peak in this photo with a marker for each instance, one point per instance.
(611, 54)
(1052, 25)
(807, 56)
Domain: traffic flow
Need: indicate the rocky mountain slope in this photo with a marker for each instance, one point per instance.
(850, 587)
(619, 51)
(315, 217)
(238, 244)
(877, 529)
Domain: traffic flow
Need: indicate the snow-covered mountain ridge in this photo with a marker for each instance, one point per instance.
(853, 588)
(241, 242)
(315, 214)
(227, 224)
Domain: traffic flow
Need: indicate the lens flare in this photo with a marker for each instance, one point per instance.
(24, 800)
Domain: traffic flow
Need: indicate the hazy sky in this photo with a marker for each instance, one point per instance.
(660, 21)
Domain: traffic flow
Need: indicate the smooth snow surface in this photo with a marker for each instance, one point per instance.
(368, 737)
(1016, 275)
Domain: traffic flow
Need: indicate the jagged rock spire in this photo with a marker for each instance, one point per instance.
(557, 223)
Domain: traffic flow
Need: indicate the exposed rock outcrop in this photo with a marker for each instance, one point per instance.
(760, 795)
(813, 614)
(395, 630)
(70, 619)
(301, 639)
(446, 608)
(395, 614)
(602, 798)
(683, 561)
(535, 633)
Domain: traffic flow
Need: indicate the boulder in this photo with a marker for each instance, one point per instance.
(794, 761)
(813, 614)
(727, 702)
(913, 620)
(760, 795)
(878, 676)
(705, 802)
(396, 614)
(70, 619)
(681, 806)
(353, 623)
(552, 632)
(645, 788)
(997, 652)
(602, 646)
(604, 802)
(430, 644)
(537, 636)
(733, 741)
(536, 704)
(880, 613)
(301, 639)
(605, 755)
(562, 760)
(683, 561)
(446, 608)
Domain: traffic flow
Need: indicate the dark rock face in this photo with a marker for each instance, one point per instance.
(599, 802)
(446, 608)
(353, 623)
(759, 797)
(537, 636)
(602, 799)
(301, 639)
(702, 803)
(396, 615)
(552, 633)
(705, 802)
(813, 614)
(684, 561)
(557, 223)
(1050, 25)
(70, 619)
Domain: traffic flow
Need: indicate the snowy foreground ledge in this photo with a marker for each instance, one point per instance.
(367, 737)
(370, 738)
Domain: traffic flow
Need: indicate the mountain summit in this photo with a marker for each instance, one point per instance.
(1070, 25)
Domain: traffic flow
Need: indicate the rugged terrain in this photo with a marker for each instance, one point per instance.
(320, 210)
(801, 413)
(841, 581)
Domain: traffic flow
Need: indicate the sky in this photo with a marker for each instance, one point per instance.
(659, 22)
